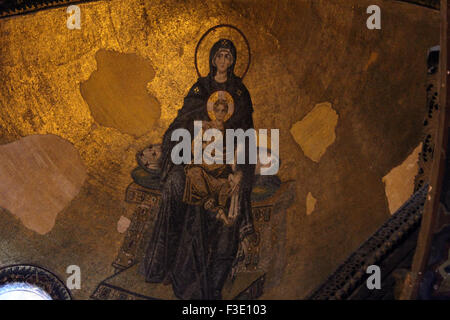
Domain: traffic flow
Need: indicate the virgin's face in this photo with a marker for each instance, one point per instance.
(223, 60)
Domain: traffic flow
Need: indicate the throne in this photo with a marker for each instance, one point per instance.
(265, 252)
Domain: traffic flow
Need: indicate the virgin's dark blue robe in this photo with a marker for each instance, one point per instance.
(189, 246)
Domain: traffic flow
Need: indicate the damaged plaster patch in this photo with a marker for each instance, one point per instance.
(316, 131)
(40, 175)
(123, 224)
(310, 203)
(117, 93)
(399, 182)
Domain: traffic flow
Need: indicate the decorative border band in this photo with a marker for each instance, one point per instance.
(9, 8)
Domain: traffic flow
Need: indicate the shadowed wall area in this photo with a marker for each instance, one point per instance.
(113, 87)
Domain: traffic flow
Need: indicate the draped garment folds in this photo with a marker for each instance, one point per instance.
(189, 246)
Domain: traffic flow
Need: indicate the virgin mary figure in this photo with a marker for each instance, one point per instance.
(190, 248)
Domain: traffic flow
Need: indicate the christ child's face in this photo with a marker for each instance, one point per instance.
(220, 112)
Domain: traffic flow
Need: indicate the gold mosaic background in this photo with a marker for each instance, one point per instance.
(304, 53)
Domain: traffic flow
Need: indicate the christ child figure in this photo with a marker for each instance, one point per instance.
(211, 185)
